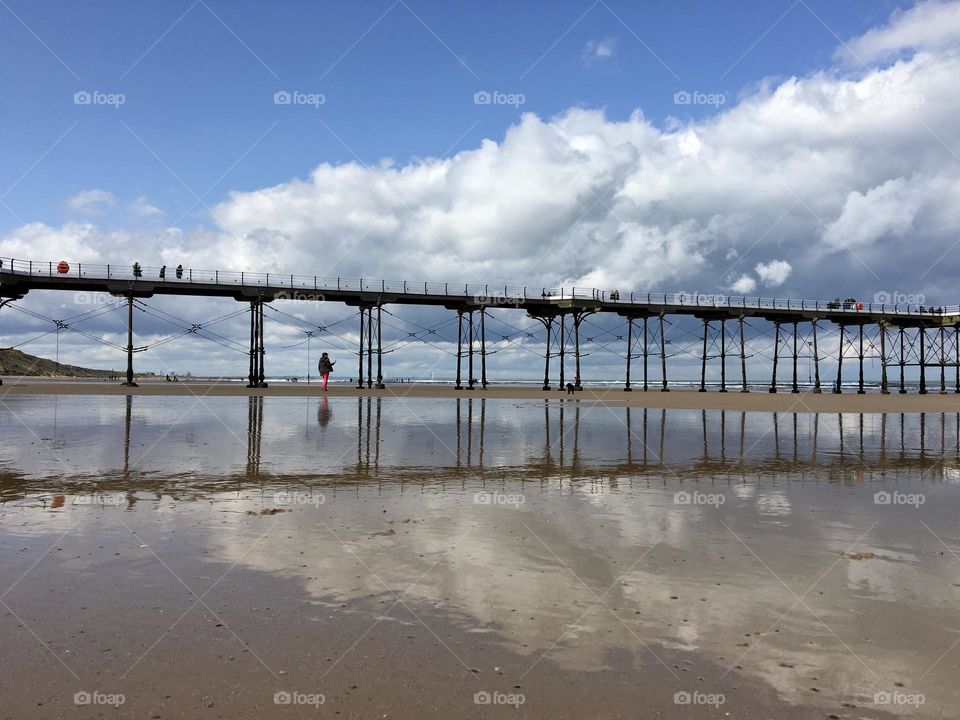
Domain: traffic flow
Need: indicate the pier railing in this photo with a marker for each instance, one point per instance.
(490, 294)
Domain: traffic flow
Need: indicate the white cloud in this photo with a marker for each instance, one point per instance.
(584, 198)
(91, 202)
(932, 25)
(774, 273)
(599, 50)
(142, 208)
(887, 210)
(744, 285)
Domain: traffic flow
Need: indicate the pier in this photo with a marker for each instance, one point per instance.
(902, 336)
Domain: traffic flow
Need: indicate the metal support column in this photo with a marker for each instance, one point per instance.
(838, 388)
(626, 386)
(923, 362)
(703, 358)
(646, 353)
(262, 381)
(903, 388)
(723, 355)
(252, 377)
(369, 347)
(663, 358)
(548, 325)
(130, 382)
(577, 318)
(470, 378)
(459, 386)
(884, 389)
(795, 388)
(360, 351)
(943, 361)
(483, 349)
(816, 362)
(860, 390)
(776, 355)
(563, 342)
(743, 360)
(380, 385)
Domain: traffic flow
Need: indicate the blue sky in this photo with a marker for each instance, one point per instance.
(199, 78)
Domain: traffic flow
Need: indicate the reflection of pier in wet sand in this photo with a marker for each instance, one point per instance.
(729, 441)
(362, 440)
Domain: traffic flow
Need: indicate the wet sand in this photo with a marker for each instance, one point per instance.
(781, 401)
(209, 558)
(227, 649)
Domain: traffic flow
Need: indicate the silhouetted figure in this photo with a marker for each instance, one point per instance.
(163, 272)
(179, 272)
(137, 271)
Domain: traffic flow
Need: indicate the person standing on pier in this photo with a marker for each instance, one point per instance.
(325, 366)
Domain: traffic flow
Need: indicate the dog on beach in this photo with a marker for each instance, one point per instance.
(570, 388)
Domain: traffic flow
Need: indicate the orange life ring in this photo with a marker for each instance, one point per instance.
(63, 267)
(859, 306)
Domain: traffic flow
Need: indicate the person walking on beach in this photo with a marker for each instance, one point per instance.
(325, 366)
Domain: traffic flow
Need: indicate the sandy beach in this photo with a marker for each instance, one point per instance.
(782, 401)
(274, 555)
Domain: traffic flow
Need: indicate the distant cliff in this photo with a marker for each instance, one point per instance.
(14, 362)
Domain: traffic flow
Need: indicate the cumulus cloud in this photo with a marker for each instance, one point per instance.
(932, 25)
(585, 198)
(887, 210)
(799, 170)
(773, 273)
(599, 50)
(744, 285)
(91, 202)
